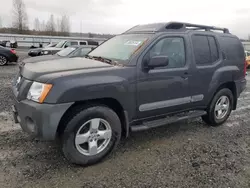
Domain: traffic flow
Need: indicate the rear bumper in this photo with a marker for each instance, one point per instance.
(13, 58)
(39, 120)
(240, 86)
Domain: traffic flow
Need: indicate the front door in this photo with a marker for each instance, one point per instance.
(164, 89)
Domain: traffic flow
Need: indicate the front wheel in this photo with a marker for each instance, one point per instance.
(90, 135)
(220, 108)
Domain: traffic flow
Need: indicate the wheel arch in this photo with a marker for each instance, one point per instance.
(108, 102)
(232, 87)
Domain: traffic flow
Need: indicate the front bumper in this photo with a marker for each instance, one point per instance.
(39, 120)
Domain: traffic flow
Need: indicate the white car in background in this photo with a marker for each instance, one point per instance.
(64, 44)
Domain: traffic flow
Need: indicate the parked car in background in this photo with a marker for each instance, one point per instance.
(69, 52)
(247, 58)
(64, 44)
(13, 44)
(7, 55)
(3, 43)
(37, 51)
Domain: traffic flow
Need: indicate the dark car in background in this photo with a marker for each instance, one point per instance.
(37, 51)
(7, 55)
(69, 52)
(3, 43)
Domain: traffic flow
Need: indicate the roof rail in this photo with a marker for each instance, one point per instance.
(189, 26)
(161, 27)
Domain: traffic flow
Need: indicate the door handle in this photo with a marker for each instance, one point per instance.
(185, 76)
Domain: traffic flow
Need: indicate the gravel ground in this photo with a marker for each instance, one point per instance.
(186, 154)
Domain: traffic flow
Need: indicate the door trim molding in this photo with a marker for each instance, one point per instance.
(170, 103)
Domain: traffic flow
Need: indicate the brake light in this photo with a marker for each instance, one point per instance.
(13, 51)
(245, 68)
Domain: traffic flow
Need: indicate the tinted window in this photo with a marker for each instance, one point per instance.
(201, 50)
(233, 48)
(93, 43)
(213, 49)
(83, 43)
(74, 43)
(171, 47)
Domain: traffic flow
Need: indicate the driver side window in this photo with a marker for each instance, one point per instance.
(173, 47)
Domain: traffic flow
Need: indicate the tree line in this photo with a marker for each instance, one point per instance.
(59, 26)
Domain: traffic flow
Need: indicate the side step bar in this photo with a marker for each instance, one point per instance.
(167, 120)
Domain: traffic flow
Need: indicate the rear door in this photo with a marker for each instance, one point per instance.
(207, 59)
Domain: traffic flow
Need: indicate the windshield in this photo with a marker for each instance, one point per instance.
(66, 51)
(60, 44)
(120, 47)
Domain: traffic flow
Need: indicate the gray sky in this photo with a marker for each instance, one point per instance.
(115, 16)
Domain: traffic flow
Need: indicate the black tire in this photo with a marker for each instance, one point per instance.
(210, 118)
(76, 119)
(3, 60)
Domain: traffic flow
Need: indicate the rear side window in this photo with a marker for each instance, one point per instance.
(83, 43)
(205, 49)
(74, 43)
(94, 43)
(232, 48)
(213, 49)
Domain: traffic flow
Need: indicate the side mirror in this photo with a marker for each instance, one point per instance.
(157, 61)
(65, 46)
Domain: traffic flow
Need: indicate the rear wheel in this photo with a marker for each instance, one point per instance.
(90, 135)
(3, 60)
(220, 108)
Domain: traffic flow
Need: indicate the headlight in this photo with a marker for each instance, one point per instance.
(46, 52)
(38, 91)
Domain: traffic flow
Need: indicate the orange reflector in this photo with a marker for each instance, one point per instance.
(45, 92)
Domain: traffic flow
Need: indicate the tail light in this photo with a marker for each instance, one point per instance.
(245, 68)
(13, 51)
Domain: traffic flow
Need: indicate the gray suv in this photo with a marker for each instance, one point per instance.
(149, 76)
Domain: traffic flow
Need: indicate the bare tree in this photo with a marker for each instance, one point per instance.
(50, 27)
(37, 25)
(58, 25)
(43, 26)
(65, 25)
(19, 15)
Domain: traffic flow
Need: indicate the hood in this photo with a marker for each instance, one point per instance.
(52, 49)
(41, 58)
(33, 71)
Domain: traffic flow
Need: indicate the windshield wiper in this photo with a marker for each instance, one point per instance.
(102, 59)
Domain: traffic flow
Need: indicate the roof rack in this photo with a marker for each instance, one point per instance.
(189, 26)
(161, 27)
